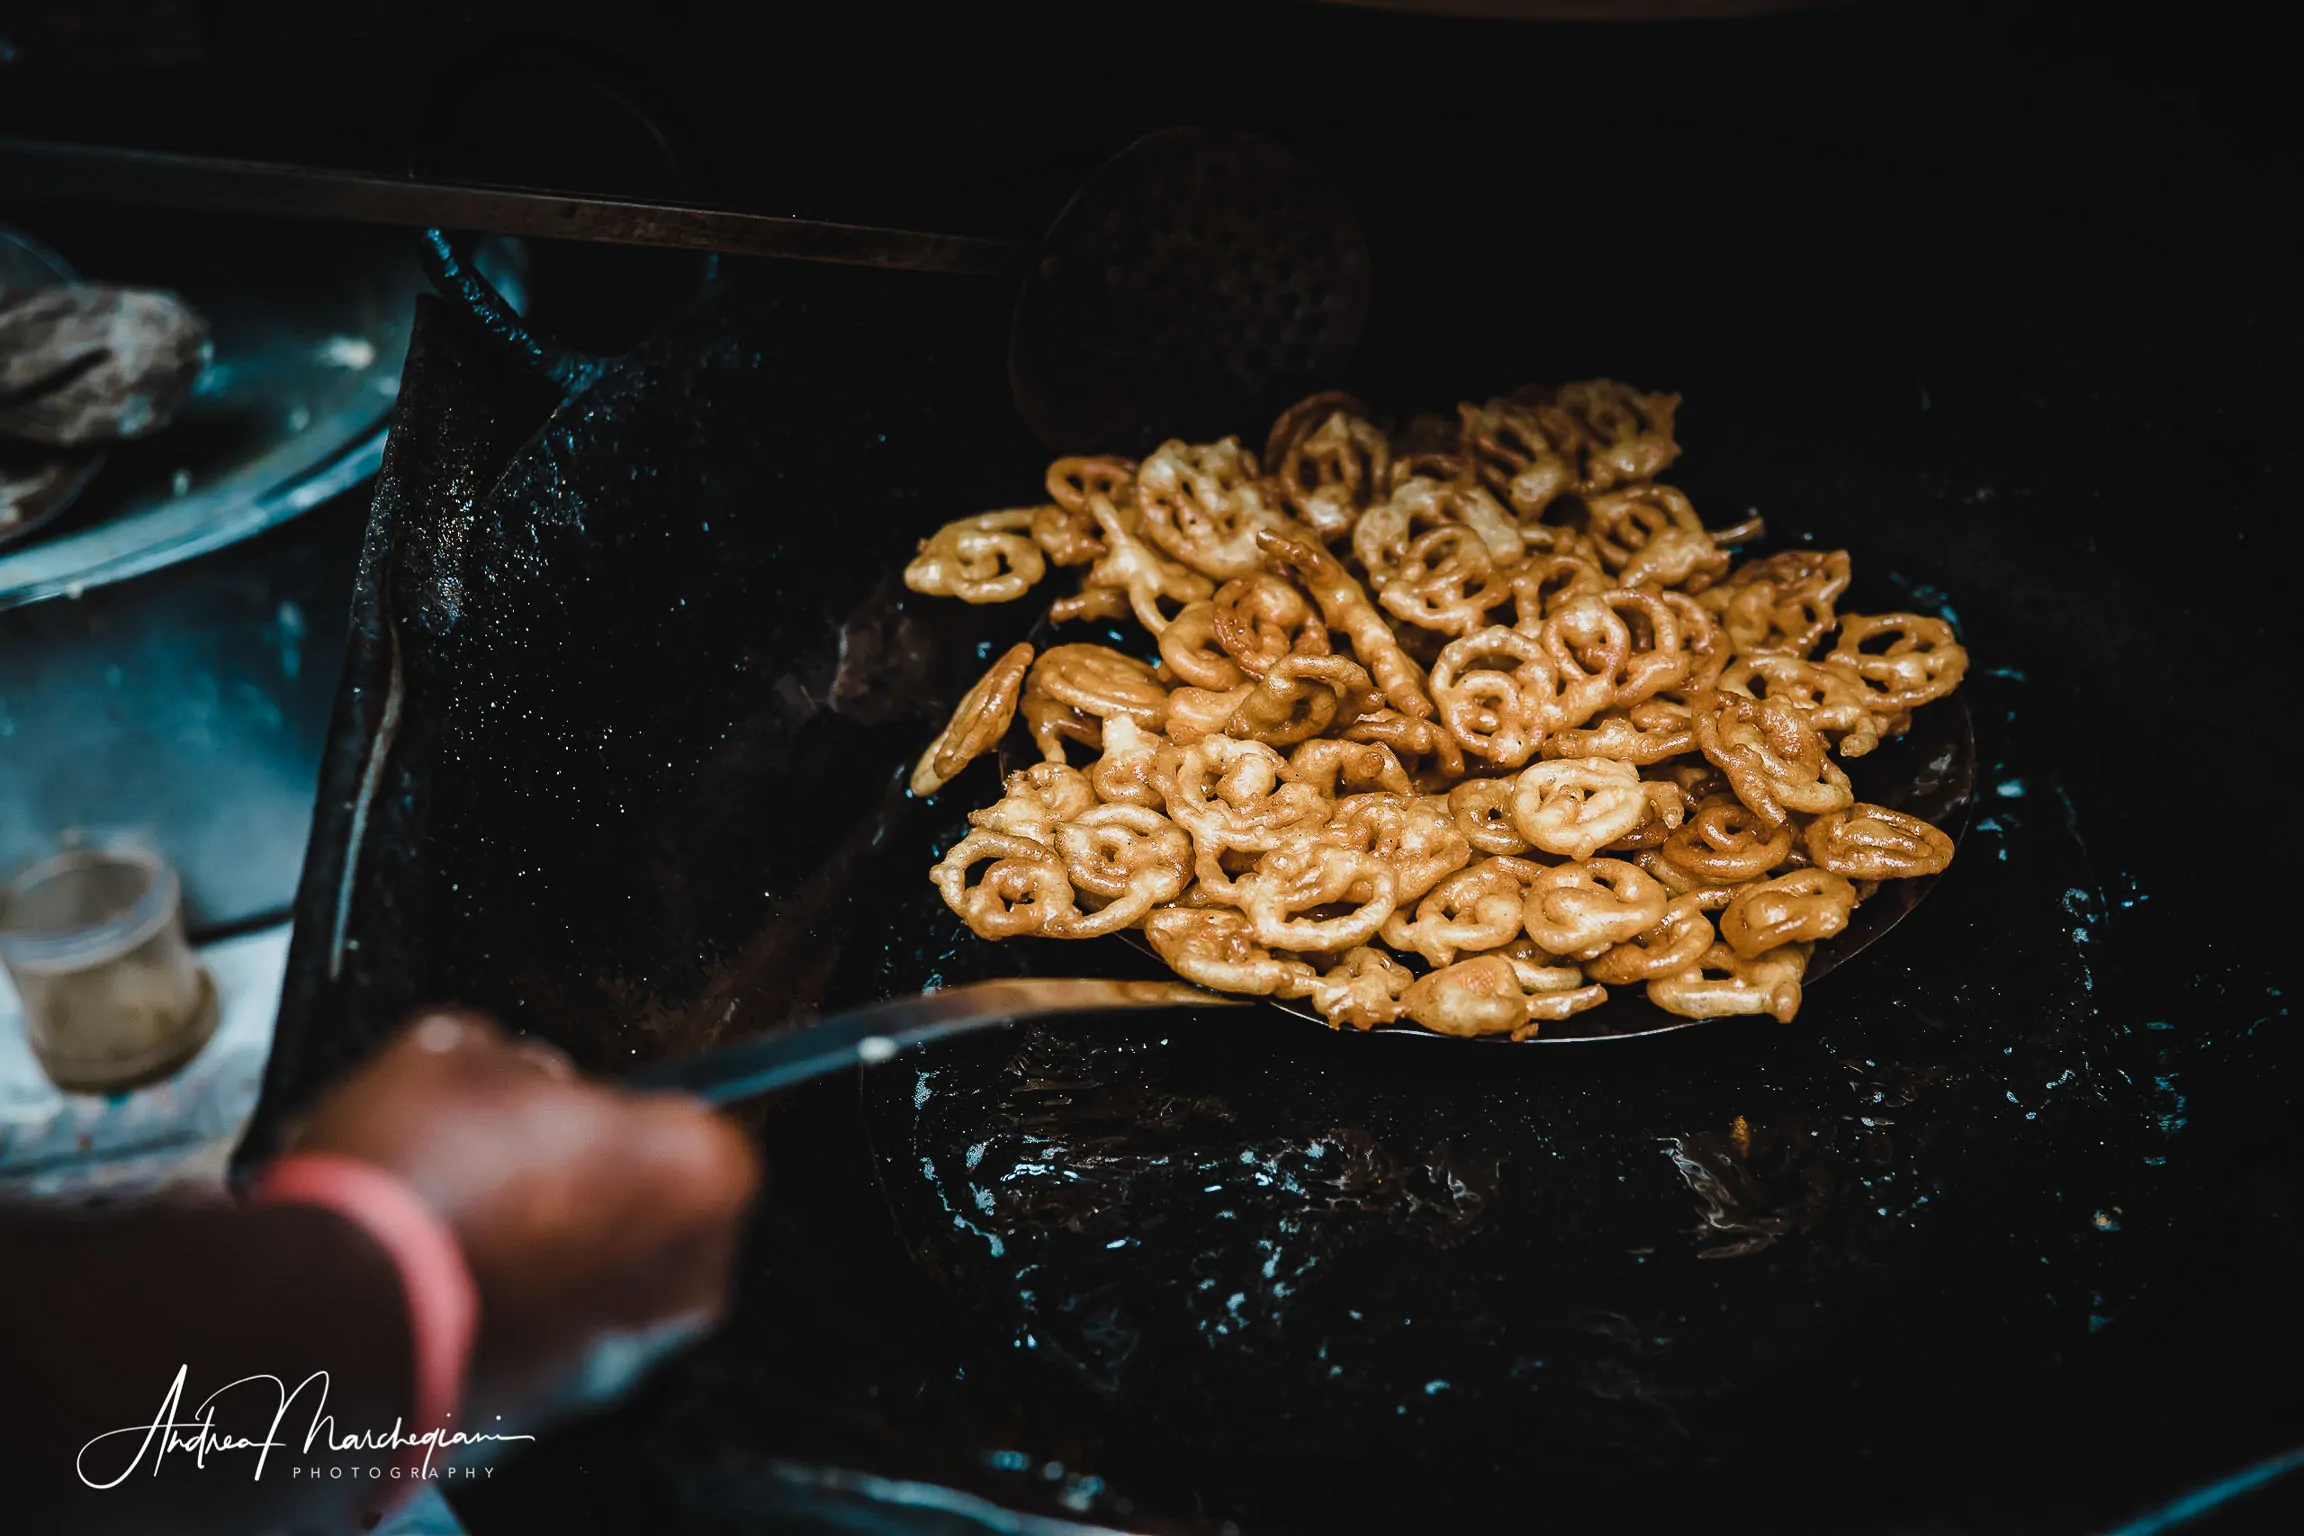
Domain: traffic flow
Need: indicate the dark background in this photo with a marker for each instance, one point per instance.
(2030, 263)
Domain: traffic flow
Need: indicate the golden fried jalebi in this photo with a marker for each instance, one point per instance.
(1306, 874)
(1773, 761)
(1038, 800)
(1131, 857)
(1921, 660)
(1723, 982)
(1482, 811)
(1783, 603)
(982, 559)
(1344, 604)
(1518, 455)
(1463, 724)
(1476, 908)
(1581, 910)
(1679, 939)
(1498, 693)
(1833, 706)
(1205, 505)
(1798, 908)
(1300, 698)
(1023, 888)
(1574, 806)
(1361, 989)
(1415, 834)
(1216, 948)
(1328, 462)
(1872, 842)
(1261, 618)
(1335, 766)
(1498, 995)
(1623, 435)
(982, 718)
(1649, 534)
(1189, 650)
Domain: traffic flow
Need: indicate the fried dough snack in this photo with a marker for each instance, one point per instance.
(1463, 724)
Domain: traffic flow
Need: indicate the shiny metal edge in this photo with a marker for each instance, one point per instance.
(69, 566)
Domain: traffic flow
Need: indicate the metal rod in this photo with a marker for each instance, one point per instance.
(92, 173)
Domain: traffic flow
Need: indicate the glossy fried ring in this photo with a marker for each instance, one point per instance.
(1482, 810)
(1832, 706)
(1229, 794)
(1582, 909)
(1677, 942)
(1576, 806)
(1066, 535)
(1773, 761)
(1299, 697)
(1189, 648)
(1023, 889)
(1724, 983)
(1445, 582)
(1414, 834)
(1421, 740)
(1498, 995)
(1100, 682)
(1131, 857)
(1799, 908)
(1204, 504)
(1612, 650)
(1130, 771)
(1724, 841)
(1038, 800)
(1328, 461)
(1623, 434)
(1520, 456)
(1305, 874)
(1650, 535)
(1130, 564)
(1917, 660)
(1649, 732)
(1262, 618)
(984, 714)
(1362, 989)
(1545, 584)
(1782, 604)
(1497, 693)
(1344, 604)
(1335, 767)
(1872, 842)
(1479, 907)
(983, 559)
(1215, 948)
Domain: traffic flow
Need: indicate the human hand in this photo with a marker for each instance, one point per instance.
(582, 1209)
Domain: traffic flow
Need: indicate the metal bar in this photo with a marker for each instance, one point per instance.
(91, 173)
(879, 1030)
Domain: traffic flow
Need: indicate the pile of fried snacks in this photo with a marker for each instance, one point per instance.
(1463, 723)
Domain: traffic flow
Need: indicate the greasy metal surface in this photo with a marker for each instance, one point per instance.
(309, 329)
(144, 178)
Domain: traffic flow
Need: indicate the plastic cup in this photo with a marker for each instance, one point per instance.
(113, 998)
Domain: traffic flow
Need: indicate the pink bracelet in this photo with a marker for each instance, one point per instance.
(443, 1304)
